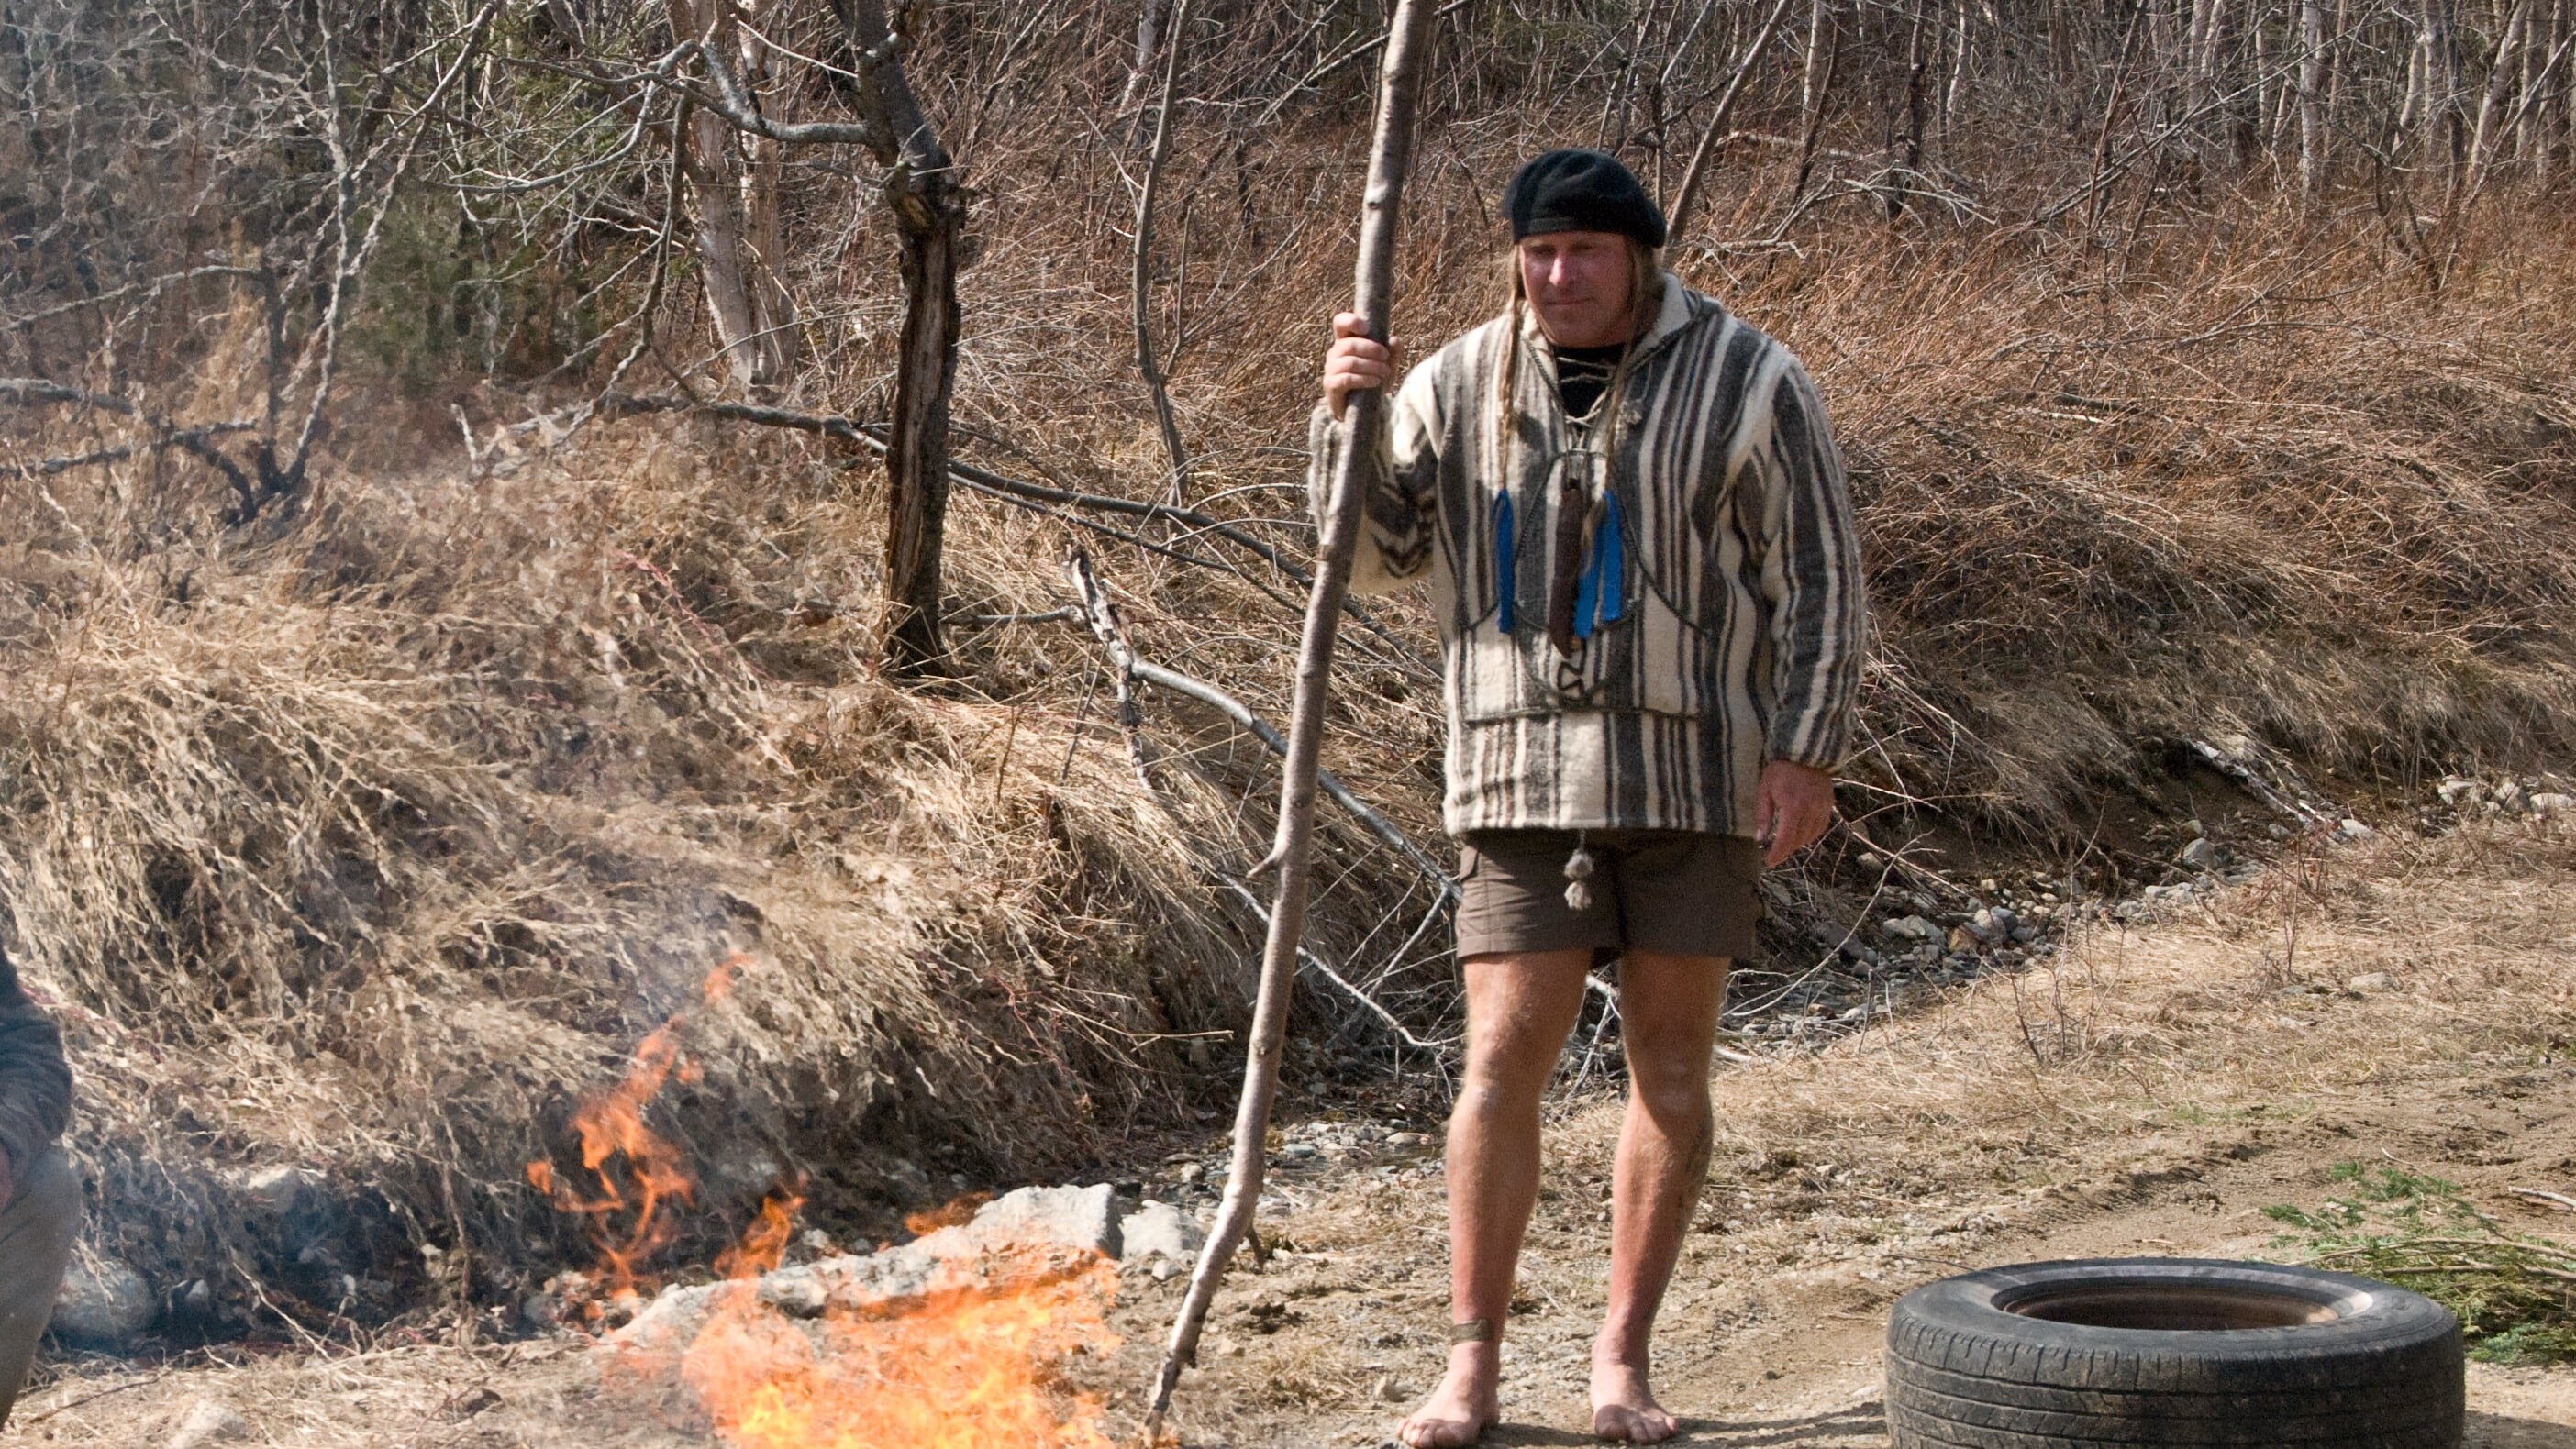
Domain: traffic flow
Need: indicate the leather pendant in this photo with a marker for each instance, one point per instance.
(1565, 559)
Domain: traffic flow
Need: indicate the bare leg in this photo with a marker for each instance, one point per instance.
(1519, 1009)
(1668, 1010)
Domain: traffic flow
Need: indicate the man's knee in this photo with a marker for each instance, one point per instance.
(1679, 1098)
(1668, 1065)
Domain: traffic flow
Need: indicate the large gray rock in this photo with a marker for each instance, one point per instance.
(283, 1190)
(1015, 1233)
(1084, 1219)
(2552, 805)
(1912, 928)
(207, 1423)
(1160, 1238)
(103, 1304)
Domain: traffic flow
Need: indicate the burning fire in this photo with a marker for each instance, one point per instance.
(964, 1366)
(612, 1130)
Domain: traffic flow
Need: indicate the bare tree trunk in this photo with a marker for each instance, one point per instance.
(1149, 40)
(2098, 192)
(1816, 21)
(1955, 95)
(1688, 192)
(2443, 135)
(1917, 101)
(2564, 139)
(2262, 130)
(774, 308)
(2500, 79)
(2565, 127)
(2312, 64)
(744, 305)
(2200, 51)
(929, 207)
(2541, 141)
(1148, 366)
(1815, 87)
(1390, 157)
(2526, 126)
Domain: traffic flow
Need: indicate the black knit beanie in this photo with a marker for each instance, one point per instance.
(1580, 191)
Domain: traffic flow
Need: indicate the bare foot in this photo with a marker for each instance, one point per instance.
(1623, 1408)
(1464, 1406)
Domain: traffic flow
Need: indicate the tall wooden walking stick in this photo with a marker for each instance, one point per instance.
(1365, 415)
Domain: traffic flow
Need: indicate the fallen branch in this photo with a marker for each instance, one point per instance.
(1101, 615)
(150, 288)
(197, 442)
(48, 467)
(984, 480)
(1234, 709)
(2254, 784)
(2559, 1200)
(1323, 968)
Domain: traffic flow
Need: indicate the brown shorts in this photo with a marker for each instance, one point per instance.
(1671, 892)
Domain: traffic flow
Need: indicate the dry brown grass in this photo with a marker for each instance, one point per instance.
(374, 840)
(387, 841)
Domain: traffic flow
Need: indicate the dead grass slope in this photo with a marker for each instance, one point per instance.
(371, 842)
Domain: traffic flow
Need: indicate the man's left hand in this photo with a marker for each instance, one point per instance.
(1791, 807)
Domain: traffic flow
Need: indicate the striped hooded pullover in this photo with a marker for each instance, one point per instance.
(1724, 617)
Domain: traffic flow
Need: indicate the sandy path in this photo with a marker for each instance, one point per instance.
(2152, 1096)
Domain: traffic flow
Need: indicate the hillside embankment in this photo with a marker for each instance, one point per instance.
(366, 799)
(363, 843)
(2153, 1089)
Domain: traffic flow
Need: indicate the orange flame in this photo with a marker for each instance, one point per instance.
(764, 1245)
(953, 1213)
(962, 1368)
(637, 1170)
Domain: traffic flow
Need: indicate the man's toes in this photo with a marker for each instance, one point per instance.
(1437, 1433)
(1619, 1422)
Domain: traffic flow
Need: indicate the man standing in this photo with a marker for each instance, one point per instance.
(40, 1201)
(1642, 556)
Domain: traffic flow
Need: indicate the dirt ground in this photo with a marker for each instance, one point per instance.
(2148, 1092)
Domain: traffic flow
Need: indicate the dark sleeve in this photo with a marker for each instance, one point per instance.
(1811, 580)
(35, 1081)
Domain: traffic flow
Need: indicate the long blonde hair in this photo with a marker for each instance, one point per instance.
(1645, 298)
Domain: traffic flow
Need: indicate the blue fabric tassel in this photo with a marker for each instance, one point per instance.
(1503, 539)
(1610, 552)
(1601, 594)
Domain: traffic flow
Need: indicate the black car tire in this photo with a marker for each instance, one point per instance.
(2171, 1351)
